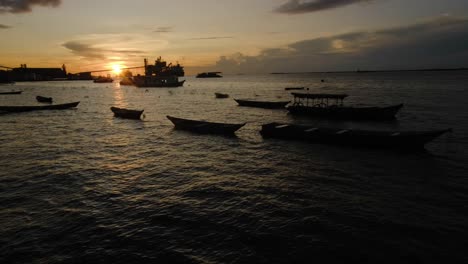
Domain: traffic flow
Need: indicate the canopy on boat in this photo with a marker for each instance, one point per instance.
(319, 96)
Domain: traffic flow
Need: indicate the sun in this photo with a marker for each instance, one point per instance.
(116, 69)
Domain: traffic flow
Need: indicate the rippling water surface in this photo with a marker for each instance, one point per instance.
(82, 186)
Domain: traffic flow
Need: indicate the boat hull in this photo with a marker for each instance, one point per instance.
(362, 138)
(43, 99)
(38, 107)
(204, 127)
(294, 88)
(126, 113)
(262, 104)
(349, 113)
(157, 82)
(221, 95)
(7, 93)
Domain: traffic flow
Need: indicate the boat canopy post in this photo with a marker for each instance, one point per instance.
(322, 100)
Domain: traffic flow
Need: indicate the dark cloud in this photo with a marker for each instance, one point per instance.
(306, 6)
(440, 43)
(91, 52)
(23, 6)
(4, 26)
(163, 30)
(211, 38)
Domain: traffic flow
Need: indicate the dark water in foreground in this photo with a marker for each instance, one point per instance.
(80, 186)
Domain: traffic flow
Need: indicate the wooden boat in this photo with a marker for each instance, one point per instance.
(126, 81)
(331, 106)
(204, 127)
(103, 80)
(43, 99)
(126, 113)
(209, 75)
(12, 92)
(262, 104)
(221, 95)
(367, 138)
(294, 88)
(157, 81)
(38, 107)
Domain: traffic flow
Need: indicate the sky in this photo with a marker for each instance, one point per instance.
(236, 36)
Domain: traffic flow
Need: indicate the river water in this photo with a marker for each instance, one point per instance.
(80, 186)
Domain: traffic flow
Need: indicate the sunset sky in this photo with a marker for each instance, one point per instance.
(245, 36)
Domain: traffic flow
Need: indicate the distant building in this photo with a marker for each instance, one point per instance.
(37, 74)
(4, 76)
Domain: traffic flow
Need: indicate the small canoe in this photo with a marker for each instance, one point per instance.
(221, 95)
(294, 88)
(364, 138)
(43, 99)
(263, 104)
(12, 92)
(204, 127)
(38, 107)
(126, 113)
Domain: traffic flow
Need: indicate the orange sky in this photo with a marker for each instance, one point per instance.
(258, 36)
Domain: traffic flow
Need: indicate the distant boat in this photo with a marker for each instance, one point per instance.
(126, 113)
(205, 127)
(101, 79)
(331, 106)
(221, 95)
(294, 88)
(126, 81)
(38, 107)
(262, 104)
(12, 92)
(365, 138)
(43, 99)
(157, 81)
(209, 75)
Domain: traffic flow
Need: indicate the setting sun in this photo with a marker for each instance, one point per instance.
(116, 69)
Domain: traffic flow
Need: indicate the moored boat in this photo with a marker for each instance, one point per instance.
(126, 81)
(331, 106)
(43, 99)
(204, 127)
(221, 95)
(38, 107)
(209, 75)
(101, 79)
(262, 104)
(365, 138)
(294, 88)
(12, 92)
(126, 113)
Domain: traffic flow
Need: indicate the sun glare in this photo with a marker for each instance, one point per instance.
(116, 69)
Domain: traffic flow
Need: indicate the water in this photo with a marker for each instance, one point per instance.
(82, 186)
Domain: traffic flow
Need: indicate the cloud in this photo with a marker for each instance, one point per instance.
(125, 48)
(91, 51)
(210, 38)
(438, 43)
(307, 6)
(163, 30)
(4, 26)
(24, 6)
